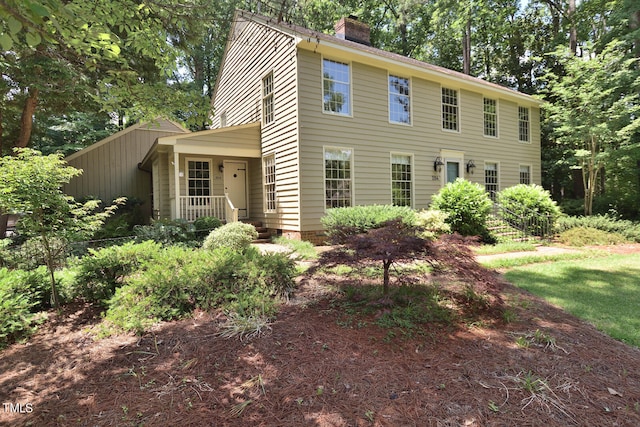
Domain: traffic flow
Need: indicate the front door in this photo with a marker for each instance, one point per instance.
(235, 184)
(453, 170)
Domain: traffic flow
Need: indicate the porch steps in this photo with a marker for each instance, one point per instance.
(264, 235)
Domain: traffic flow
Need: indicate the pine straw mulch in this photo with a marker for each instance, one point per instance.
(308, 370)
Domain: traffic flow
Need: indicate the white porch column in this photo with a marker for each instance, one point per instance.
(176, 183)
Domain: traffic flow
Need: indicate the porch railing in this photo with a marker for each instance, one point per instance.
(194, 207)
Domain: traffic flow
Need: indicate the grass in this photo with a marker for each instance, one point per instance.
(500, 248)
(604, 291)
(537, 259)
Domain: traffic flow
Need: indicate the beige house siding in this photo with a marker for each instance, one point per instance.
(110, 167)
(255, 51)
(373, 138)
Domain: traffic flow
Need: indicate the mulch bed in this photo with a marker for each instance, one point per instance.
(309, 370)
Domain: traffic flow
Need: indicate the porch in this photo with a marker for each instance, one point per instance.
(208, 173)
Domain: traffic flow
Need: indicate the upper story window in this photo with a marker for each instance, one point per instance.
(336, 87)
(449, 109)
(269, 169)
(525, 174)
(399, 100)
(267, 99)
(490, 117)
(523, 124)
(337, 177)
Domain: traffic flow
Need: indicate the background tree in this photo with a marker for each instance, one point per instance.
(32, 187)
(594, 110)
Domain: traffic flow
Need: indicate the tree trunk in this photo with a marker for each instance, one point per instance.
(466, 48)
(573, 32)
(4, 221)
(26, 122)
(385, 283)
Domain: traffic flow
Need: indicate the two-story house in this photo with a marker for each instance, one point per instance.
(306, 121)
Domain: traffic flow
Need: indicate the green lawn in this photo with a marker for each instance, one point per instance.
(604, 291)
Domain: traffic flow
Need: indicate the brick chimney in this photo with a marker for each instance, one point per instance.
(352, 29)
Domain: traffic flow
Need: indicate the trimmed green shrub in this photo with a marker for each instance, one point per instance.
(432, 224)
(629, 229)
(359, 219)
(235, 235)
(583, 236)
(467, 205)
(530, 205)
(99, 273)
(180, 280)
(166, 232)
(205, 225)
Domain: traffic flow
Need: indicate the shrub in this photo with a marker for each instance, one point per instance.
(235, 235)
(630, 230)
(359, 219)
(179, 280)
(30, 253)
(582, 236)
(467, 206)
(166, 232)
(432, 224)
(302, 248)
(101, 271)
(205, 225)
(122, 222)
(530, 205)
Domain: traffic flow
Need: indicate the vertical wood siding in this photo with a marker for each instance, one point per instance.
(255, 51)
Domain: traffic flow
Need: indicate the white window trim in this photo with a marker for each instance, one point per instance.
(497, 136)
(528, 125)
(411, 163)
(530, 172)
(186, 173)
(410, 79)
(264, 184)
(498, 177)
(459, 110)
(273, 98)
(331, 113)
(353, 167)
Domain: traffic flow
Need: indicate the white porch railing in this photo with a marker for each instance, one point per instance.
(194, 207)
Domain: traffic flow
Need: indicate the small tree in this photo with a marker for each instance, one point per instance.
(31, 186)
(393, 241)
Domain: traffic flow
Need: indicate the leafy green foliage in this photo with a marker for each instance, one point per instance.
(32, 186)
(235, 235)
(432, 223)
(359, 219)
(100, 272)
(123, 221)
(166, 232)
(179, 279)
(630, 230)
(301, 248)
(531, 204)
(467, 206)
(583, 236)
(205, 225)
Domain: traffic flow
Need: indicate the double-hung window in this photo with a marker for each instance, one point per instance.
(491, 179)
(490, 117)
(449, 109)
(336, 87)
(525, 174)
(523, 124)
(338, 179)
(199, 183)
(269, 169)
(267, 99)
(399, 100)
(401, 179)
